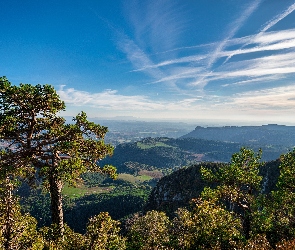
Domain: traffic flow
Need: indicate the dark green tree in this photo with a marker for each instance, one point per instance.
(40, 144)
(70, 241)
(150, 231)
(207, 226)
(238, 185)
(103, 233)
(280, 210)
(17, 230)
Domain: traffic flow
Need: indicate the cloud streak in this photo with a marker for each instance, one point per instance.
(232, 31)
(278, 18)
(137, 57)
(267, 26)
(153, 22)
(281, 43)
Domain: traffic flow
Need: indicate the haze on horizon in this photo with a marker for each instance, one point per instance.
(221, 61)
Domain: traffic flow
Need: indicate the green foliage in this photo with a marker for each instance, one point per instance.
(103, 233)
(166, 153)
(92, 179)
(150, 231)
(206, 226)
(280, 207)
(259, 242)
(17, 230)
(150, 144)
(70, 241)
(134, 179)
(79, 146)
(238, 185)
(241, 174)
(286, 181)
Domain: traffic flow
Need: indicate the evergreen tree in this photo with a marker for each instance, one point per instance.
(207, 226)
(238, 185)
(40, 143)
(280, 209)
(103, 233)
(17, 230)
(150, 231)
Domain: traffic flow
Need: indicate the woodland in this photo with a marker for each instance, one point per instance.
(42, 158)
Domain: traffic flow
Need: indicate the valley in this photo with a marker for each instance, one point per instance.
(142, 162)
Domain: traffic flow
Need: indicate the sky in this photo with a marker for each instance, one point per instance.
(192, 60)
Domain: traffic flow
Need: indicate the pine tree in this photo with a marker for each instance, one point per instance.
(40, 144)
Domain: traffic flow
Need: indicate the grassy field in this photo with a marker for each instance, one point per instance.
(81, 190)
(142, 145)
(134, 179)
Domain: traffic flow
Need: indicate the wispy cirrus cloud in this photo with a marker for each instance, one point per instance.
(281, 43)
(237, 24)
(157, 26)
(281, 62)
(278, 40)
(267, 26)
(155, 21)
(215, 54)
(138, 57)
(278, 18)
(258, 79)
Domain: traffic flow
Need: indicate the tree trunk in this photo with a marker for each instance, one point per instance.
(56, 203)
(247, 223)
(248, 215)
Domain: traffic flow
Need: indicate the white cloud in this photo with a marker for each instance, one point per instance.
(278, 101)
(197, 71)
(282, 62)
(137, 56)
(232, 31)
(266, 27)
(275, 100)
(108, 99)
(271, 41)
(254, 80)
(278, 18)
(262, 59)
(155, 21)
(187, 59)
(272, 37)
(112, 100)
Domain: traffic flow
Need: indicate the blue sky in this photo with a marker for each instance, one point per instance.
(213, 60)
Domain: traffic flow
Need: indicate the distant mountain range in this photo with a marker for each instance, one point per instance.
(271, 134)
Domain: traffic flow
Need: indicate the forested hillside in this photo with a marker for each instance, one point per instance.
(180, 187)
(166, 154)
